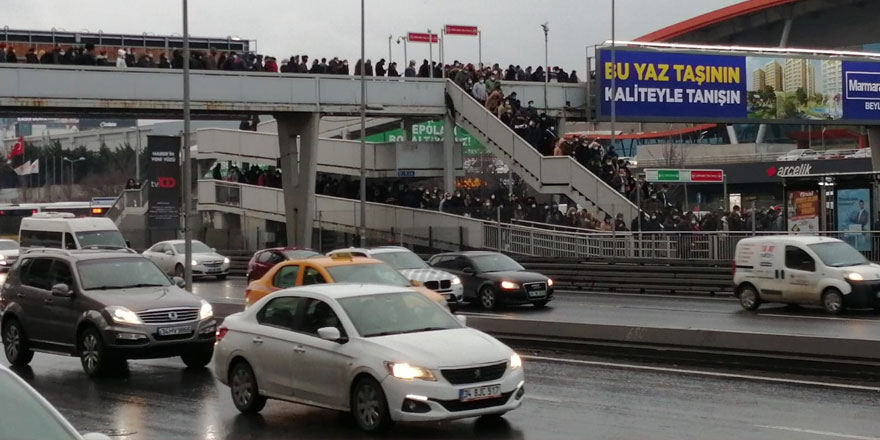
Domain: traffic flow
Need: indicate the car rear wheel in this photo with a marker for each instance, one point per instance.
(245, 392)
(15, 344)
(96, 360)
(540, 304)
(832, 301)
(198, 359)
(370, 407)
(221, 277)
(487, 298)
(748, 298)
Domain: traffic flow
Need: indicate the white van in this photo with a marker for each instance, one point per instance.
(63, 230)
(804, 270)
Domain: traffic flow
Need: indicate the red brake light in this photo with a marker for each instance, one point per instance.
(734, 267)
(221, 332)
(97, 211)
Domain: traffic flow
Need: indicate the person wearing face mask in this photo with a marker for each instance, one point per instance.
(479, 91)
(445, 203)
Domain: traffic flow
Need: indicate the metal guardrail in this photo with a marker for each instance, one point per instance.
(713, 246)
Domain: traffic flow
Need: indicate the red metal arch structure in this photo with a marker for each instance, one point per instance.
(815, 23)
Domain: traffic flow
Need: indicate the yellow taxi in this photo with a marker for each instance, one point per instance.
(340, 268)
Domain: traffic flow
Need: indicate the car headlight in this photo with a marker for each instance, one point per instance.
(509, 285)
(515, 361)
(194, 263)
(854, 276)
(402, 370)
(123, 316)
(206, 311)
(225, 260)
(456, 280)
(549, 282)
(2, 257)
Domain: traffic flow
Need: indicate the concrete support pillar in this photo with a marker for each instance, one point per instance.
(874, 143)
(563, 126)
(298, 166)
(406, 124)
(448, 154)
(731, 133)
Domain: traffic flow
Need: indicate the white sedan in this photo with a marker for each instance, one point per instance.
(206, 262)
(383, 353)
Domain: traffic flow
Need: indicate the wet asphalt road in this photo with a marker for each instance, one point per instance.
(660, 311)
(160, 400)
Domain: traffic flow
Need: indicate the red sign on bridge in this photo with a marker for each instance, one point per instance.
(419, 37)
(707, 176)
(452, 29)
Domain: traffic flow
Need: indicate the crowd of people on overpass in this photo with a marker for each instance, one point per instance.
(216, 59)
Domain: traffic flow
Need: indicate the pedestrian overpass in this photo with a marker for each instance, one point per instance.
(298, 102)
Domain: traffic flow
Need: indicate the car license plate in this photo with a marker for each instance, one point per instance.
(479, 393)
(213, 270)
(174, 331)
(537, 293)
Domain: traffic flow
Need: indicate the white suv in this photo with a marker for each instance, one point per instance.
(413, 268)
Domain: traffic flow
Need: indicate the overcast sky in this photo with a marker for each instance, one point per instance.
(326, 28)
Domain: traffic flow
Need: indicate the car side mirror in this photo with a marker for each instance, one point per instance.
(461, 319)
(95, 436)
(179, 282)
(128, 244)
(62, 290)
(169, 252)
(331, 334)
(213, 249)
(469, 270)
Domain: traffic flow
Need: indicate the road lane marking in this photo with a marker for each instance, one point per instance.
(706, 373)
(544, 398)
(823, 433)
(481, 314)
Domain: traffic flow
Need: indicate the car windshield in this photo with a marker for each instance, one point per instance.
(401, 260)
(7, 245)
(112, 239)
(299, 254)
(495, 263)
(396, 313)
(198, 248)
(371, 273)
(120, 273)
(25, 417)
(838, 254)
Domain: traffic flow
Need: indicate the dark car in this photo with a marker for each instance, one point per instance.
(266, 259)
(493, 279)
(102, 306)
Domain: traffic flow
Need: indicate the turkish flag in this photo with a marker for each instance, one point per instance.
(17, 149)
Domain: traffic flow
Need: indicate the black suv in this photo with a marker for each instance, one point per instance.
(103, 306)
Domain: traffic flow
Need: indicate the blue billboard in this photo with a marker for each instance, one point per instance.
(677, 85)
(854, 217)
(717, 87)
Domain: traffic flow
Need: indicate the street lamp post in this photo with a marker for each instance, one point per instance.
(613, 84)
(72, 173)
(389, 49)
(363, 219)
(546, 62)
(187, 186)
(405, 56)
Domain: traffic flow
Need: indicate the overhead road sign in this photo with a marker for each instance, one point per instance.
(452, 29)
(655, 175)
(421, 37)
(721, 86)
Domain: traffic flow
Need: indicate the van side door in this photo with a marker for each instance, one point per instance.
(800, 276)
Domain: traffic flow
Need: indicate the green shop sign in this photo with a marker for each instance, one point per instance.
(432, 131)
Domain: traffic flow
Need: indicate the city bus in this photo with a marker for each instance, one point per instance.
(12, 213)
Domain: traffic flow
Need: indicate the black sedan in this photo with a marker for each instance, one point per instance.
(493, 279)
